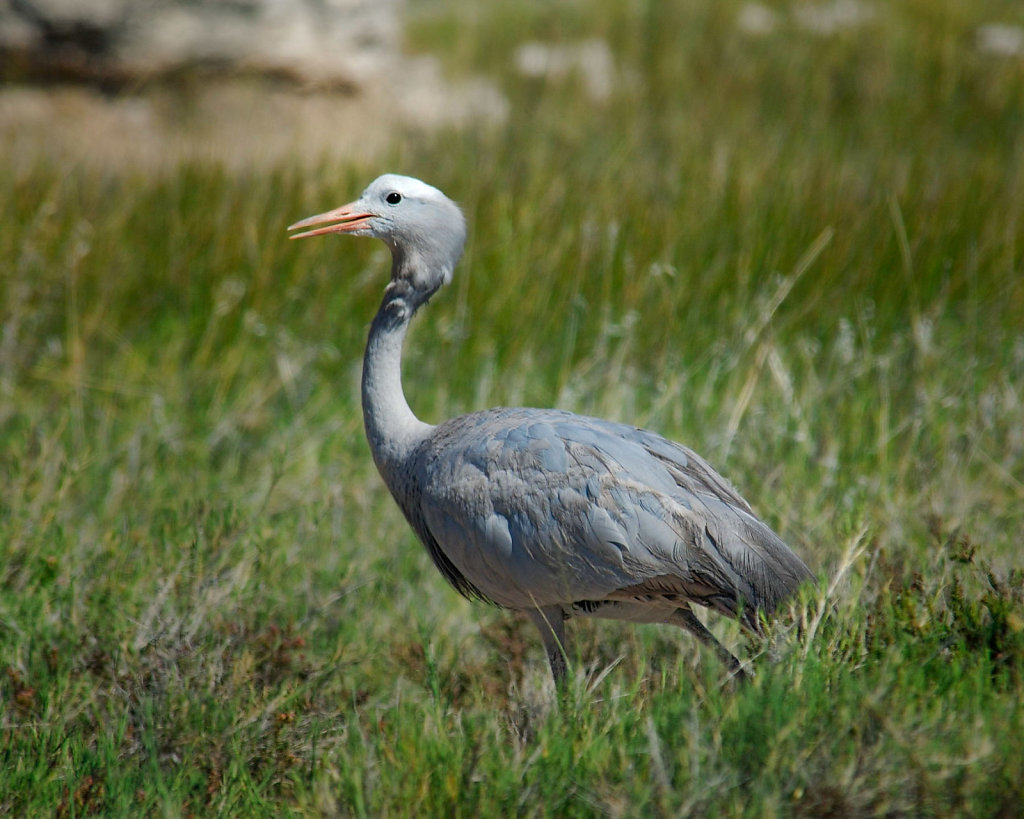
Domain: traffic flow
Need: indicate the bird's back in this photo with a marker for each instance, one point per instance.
(530, 508)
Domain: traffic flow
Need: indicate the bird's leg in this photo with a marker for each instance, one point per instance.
(550, 622)
(685, 618)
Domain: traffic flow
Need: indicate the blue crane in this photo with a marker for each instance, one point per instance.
(542, 511)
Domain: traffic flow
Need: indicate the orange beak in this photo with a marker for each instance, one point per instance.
(345, 219)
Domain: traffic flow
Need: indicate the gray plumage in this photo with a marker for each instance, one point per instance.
(542, 511)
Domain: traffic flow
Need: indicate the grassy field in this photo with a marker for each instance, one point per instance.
(800, 252)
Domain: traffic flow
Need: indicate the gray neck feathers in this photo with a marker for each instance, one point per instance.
(392, 429)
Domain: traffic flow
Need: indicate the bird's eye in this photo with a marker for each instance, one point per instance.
(393, 198)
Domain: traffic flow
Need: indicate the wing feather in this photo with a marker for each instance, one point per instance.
(537, 508)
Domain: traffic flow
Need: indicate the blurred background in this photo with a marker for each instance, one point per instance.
(787, 233)
(115, 81)
(666, 192)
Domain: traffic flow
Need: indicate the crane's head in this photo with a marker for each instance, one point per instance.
(424, 228)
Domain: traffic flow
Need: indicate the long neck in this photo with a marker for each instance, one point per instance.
(392, 429)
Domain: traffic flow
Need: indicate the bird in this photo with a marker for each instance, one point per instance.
(543, 511)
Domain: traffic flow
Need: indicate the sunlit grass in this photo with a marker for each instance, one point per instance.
(800, 254)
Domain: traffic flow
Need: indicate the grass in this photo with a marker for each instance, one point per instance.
(800, 254)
